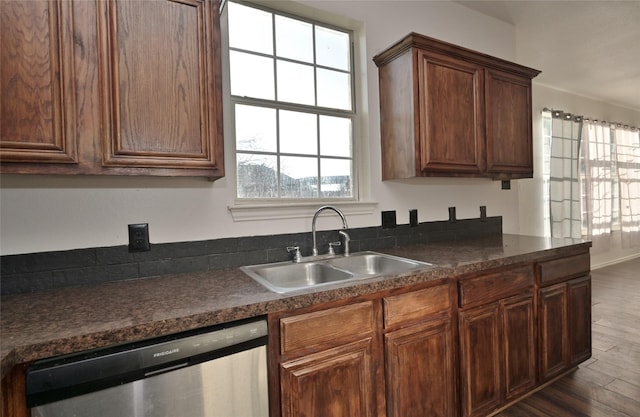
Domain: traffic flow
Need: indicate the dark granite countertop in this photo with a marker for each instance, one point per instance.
(56, 322)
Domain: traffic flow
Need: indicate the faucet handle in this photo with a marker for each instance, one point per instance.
(331, 245)
(297, 257)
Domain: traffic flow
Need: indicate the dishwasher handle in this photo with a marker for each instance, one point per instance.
(58, 378)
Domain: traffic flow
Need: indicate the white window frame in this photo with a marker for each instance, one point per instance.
(268, 209)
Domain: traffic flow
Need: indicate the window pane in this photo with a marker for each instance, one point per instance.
(251, 75)
(336, 177)
(257, 176)
(255, 129)
(259, 38)
(299, 177)
(335, 136)
(298, 132)
(294, 39)
(334, 89)
(295, 83)
(332, 48)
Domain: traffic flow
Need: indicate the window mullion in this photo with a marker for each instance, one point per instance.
(315, 98)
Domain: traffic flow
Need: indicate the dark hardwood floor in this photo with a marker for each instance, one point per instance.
(608, 384)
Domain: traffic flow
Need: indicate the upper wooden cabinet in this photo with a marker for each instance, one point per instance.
(37, 114)
(159, 97)
(136, 90)
(450, 111)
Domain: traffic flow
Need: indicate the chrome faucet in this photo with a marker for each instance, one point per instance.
(342, 233)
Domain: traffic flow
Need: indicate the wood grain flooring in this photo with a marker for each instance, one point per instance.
(608, 384)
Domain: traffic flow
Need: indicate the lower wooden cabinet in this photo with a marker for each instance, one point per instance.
(420, 370)
(565, 326)
(498, 357)
(338, 382)
(519, 346)
(579, 319)
(361, 359)
(497, 330)
(564, 313)
(480, 359)
(328, 362)
(552, 303)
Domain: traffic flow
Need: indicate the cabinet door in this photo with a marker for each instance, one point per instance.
(518, 336)
(338, 382)
(452, 131)
(509, 124)
(420, 371)
(160, 84)
(37, 100)
(579, 319)
(480, 360)
(552, 316)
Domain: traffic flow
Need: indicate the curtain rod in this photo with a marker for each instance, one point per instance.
(561, 114)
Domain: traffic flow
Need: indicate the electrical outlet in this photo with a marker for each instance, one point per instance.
(452, 215)
(506, 184)
(389, 219)
(139, 237)
(413, 217)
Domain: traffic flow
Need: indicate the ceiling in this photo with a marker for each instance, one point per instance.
(590, 48)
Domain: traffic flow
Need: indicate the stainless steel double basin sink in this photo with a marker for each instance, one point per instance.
(284, 277)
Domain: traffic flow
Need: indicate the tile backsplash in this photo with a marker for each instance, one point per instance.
(47, 270)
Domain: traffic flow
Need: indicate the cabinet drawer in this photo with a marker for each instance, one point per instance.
(563, 268)
(416, 305)
(490, 287)
(327, 328)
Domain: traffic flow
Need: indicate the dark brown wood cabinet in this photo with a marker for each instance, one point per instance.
(421, 371)
(450, 91)
(519, 346)
(160, 105)
(554, 345)
(497, 339)
(480, 360)
(564, 304)
(508, 123)
(121, 88)
(450, 111)
(328, 362)
(420, 358)
(392, 355)
(336, 382)
(579, 319)
(37, 90)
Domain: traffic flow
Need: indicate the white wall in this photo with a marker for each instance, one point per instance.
(531, 207)
(40, 213)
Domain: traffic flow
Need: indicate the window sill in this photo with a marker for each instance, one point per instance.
(251, 212)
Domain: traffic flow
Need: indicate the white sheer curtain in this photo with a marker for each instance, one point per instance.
(628, 164)
(562, 139)
(597, 181)
(592, 179)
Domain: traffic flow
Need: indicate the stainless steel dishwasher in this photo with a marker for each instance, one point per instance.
(221, 372)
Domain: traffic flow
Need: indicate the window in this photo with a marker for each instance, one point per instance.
(591, 179)
(292, 94)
